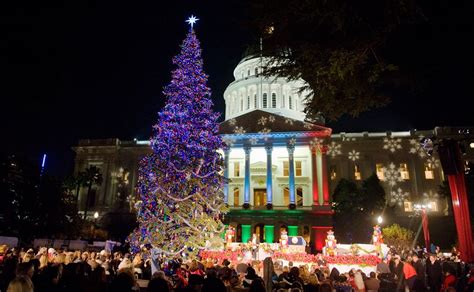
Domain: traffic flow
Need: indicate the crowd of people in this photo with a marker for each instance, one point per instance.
(53, 270)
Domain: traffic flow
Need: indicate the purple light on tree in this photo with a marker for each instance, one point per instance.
(181, 183)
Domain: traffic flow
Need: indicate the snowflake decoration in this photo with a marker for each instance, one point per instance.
(232, 122)
(132, 202)
(354, 155)
(262, 121)
(253, 141)
(289, 121)
(265, 132)
(433, 161)
(415, 147)
(392, 175)
(316, 142)
(292, 142)
(392, 144)
(430, 196)
(239, 130)
(271, 119)
(334, 149)
(229, 141)
(398, 196)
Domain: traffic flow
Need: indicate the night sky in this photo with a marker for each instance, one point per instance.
(95, 69)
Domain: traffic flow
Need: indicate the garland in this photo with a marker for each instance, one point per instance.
(237, 256)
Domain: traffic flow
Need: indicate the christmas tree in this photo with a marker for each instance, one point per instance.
(180, 184)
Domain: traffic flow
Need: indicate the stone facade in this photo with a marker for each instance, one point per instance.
(281, 168)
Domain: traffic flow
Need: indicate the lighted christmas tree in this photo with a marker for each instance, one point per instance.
(180, 184)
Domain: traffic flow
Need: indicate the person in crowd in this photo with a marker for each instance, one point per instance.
(20, 284)
(434, 273)
(212, 283)
(409, 274)
(396, 267)
(449, 279)
(372, 284)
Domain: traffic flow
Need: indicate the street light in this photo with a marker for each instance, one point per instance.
(379, 220)
(96, 215)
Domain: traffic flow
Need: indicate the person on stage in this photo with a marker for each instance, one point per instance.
(254, 245)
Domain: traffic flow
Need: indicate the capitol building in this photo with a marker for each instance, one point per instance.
(282, 169)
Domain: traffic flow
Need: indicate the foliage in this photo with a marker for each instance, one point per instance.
(355, 208)
(35, 205)
(335, 46)
(397, 236)
(180, 183)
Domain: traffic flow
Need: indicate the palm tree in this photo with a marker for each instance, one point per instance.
(74, 183)
(91, 176)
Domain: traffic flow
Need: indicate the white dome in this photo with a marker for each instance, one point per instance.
(250, 91)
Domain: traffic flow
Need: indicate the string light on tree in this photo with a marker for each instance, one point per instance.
(180, 183)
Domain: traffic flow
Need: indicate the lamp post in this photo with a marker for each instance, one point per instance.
(379, 220)
(421, 209)
(96, 216)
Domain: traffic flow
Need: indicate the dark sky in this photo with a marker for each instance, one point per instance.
(95, 69)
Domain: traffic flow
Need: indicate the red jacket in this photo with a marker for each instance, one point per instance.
(408, 270)
(449, 281)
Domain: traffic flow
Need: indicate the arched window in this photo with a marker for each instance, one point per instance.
(274, 100)
(286, 196)
(299, 196)
(236, 197)
(256, 70)
(248, 102)
(248, 72)
(290, 102)
(255, 100)
(264, 101)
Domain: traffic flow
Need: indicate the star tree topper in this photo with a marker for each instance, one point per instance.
(192, 20)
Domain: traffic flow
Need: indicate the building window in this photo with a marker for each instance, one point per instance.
(248, 72)
(236, 197)
(256, 71)
(255, 101)
(433, 205)
(408, 207)
(237, 169)
(404, 174)
(274, 100)
(264, 101)
(286, 170)
(290, 102)
(299, 171)
(286, 197)
(357, 174)
(429, 172)
(379, 171)
(299, 196)
(248, 102)
(333, 174)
